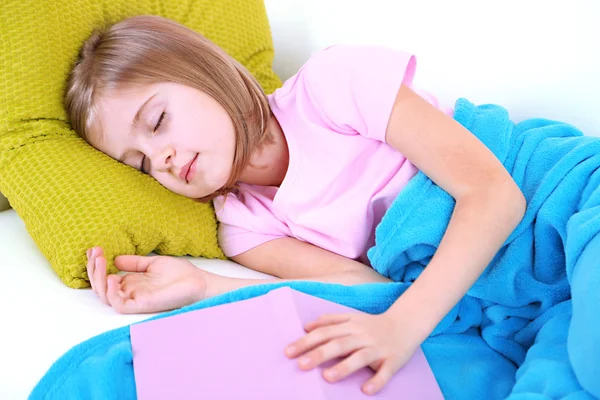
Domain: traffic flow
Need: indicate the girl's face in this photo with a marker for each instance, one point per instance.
(177, 134)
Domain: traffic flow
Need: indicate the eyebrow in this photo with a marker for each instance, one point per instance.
(136, 121)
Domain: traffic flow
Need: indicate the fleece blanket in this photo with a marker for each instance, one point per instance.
(527, 329)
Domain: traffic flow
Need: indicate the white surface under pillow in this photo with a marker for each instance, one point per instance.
(43, 318)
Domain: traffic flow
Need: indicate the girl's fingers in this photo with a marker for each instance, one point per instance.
(326, 319)
(100, 278)
(115, 296)
(90, 271)
(92, 254)
(120, 302)
(339, 347)
(316, 338)
(357, 360)
(131, 263)
(118, 279)
(381, 378)
(129, 283)
(97, 252)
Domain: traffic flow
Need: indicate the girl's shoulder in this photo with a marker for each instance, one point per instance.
(344, 63)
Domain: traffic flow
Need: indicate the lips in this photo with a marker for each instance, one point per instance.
(185, 174)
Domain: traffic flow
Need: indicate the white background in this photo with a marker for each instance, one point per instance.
(537, 58)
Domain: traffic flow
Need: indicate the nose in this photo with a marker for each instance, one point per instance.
(163, 160)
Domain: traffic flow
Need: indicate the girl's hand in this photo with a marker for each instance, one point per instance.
(377, 341)
(160, 284)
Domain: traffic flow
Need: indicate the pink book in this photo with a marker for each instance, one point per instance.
(235, 351)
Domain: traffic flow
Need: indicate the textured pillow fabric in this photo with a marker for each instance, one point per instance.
(69, 195)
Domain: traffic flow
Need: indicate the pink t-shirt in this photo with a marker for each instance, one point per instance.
(342, 176)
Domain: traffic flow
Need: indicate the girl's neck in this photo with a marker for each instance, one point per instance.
(269, 165)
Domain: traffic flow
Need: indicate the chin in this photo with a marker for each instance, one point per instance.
(199, 194)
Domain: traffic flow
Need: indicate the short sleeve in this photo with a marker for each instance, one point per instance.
(355, 86)
(235, 240)
(247, 222)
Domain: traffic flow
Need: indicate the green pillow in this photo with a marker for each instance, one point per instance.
(69, 195)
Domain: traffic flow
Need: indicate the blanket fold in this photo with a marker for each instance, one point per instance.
(527, 329)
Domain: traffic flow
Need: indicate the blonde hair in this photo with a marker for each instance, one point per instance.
(145, 50)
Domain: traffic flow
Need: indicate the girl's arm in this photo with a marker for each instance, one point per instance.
(489, 204)
(290, 258)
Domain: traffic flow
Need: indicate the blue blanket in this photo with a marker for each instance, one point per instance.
(528, 328)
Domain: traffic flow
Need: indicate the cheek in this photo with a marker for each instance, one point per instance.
(228, 153)
(221, 170)
(215, 172)
(167, 180)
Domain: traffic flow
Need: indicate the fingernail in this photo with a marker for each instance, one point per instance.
(304, 361)
(290, 350)
(370, 388)
(331, 374)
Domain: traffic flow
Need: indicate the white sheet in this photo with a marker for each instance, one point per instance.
(42, 318)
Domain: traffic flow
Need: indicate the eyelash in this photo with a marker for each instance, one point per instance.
(158, 124)
(142, 164)
(160, 120)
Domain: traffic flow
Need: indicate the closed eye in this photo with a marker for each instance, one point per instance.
(142, 167)
(160, 120)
